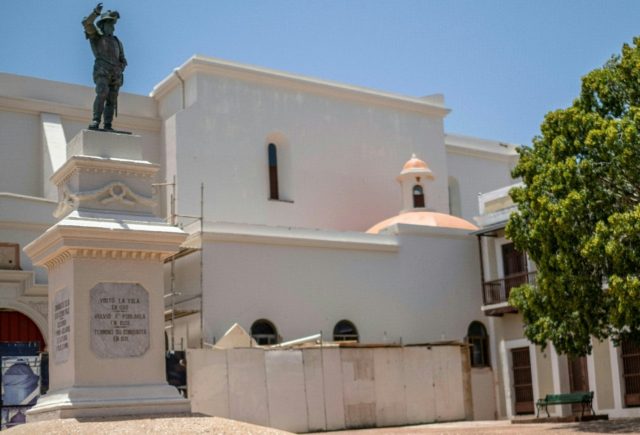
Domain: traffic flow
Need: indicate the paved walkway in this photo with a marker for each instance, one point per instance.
(619, 426)
(215, 425)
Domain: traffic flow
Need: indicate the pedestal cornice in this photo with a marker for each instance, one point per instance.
(74, 237)
(92, 164)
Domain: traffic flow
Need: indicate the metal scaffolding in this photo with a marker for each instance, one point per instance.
(171, 295)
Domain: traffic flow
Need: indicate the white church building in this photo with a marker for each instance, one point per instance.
(310, 206)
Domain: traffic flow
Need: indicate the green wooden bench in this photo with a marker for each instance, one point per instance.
(585, 398)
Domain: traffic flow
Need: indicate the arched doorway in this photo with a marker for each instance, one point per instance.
(16, 327)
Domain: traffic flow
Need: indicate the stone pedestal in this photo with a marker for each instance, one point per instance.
(106, 306)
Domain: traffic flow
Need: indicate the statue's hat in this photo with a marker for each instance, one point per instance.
(109, 16)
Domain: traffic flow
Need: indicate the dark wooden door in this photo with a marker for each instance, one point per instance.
(513, 261)
(578, 379)
(514, 266)
(631, 372)
(522, 381)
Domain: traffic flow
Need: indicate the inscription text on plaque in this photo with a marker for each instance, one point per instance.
(61, 325)
(119, 320)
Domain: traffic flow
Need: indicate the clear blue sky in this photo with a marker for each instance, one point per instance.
(500, 64)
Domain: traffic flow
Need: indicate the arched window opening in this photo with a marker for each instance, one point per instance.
(264, 332)
(418, 196)
(455, 206)
(273, 172)
(345, 331)
(479, 340)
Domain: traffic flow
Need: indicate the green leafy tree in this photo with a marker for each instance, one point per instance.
(579, 213)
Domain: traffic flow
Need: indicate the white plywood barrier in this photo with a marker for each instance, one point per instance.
(448, 382)
(286, 390)
(418, 379)
(330, 388)
(333, 391)
(391, 403)
(358, 387)
(248, 386)
(483, 391)
(208, 382)
(314, 388)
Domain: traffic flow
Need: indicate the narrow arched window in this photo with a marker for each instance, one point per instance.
(418, 196)
(455, 207)
(264, 332)
(479, 340)
(273, 172)
(345, 331)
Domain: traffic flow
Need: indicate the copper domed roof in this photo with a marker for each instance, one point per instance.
(416, 166)
(424, 218)
(414, 163)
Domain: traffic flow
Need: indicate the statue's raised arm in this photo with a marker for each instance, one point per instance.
(87, 22)
(108, 66)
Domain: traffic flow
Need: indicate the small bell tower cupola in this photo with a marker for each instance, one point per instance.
(413, 180)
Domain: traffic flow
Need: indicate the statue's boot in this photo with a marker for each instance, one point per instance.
(108, 114)
(98, 107)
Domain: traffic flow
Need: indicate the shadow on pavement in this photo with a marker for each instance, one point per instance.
(627, 425)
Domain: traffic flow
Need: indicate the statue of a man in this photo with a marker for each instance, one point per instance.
(108, 67)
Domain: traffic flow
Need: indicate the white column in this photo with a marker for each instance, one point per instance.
(495, 361)
(54, 151)
(591, 373)
(506, 378)
(560, 376)
(616, 376)
(533, 356)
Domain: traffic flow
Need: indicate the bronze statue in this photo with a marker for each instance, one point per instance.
(108, 67)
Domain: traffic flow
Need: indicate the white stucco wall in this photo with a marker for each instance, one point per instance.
(476, 173)
(22, 220)
(20, 153)
(343, 152)
(26, 103)
(390, 295)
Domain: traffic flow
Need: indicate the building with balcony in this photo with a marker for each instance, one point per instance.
(509, 268)
(523, 372)
(310, 206)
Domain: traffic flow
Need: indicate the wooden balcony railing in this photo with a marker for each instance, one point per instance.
(497, 291)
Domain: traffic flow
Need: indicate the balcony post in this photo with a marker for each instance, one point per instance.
(482, 286)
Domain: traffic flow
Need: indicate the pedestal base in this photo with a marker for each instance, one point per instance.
(109, 401)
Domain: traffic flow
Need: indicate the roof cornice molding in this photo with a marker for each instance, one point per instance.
(27, 226)
(261, 234)
(27, 198)
(26, 282)
(477, 147)
(33, 106)
(38, 218)
(475, 152)
(207, 65)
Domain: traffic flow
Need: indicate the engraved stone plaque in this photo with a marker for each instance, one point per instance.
(119, 320)
(61, 325)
